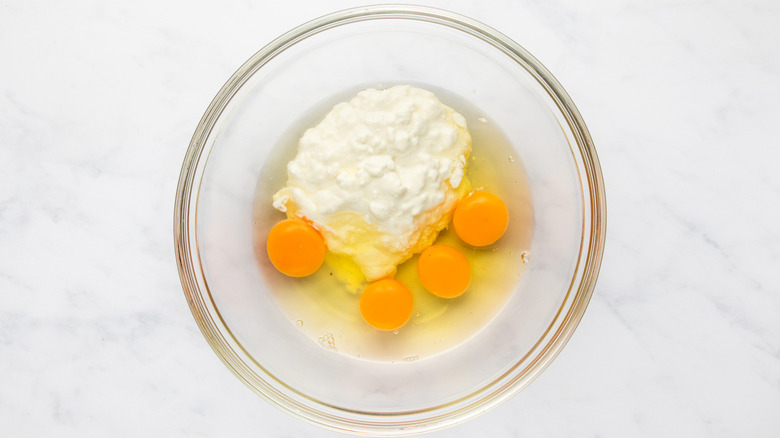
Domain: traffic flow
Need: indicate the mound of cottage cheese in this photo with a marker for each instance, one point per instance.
(380, 176)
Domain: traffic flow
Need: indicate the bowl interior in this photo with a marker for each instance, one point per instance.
(263, 110)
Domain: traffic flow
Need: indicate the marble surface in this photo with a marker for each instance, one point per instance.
(99, 101)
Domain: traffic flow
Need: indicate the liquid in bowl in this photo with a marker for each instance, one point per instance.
(326, 308)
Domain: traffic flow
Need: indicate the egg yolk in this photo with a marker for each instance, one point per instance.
(386, 304)
(444, 271)
(480, 219)
(295, 248)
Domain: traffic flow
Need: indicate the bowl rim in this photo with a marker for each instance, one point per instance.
(229, 350)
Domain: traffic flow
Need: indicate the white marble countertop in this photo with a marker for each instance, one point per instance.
(100, 99)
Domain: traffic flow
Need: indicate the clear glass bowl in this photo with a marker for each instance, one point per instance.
(254, 111)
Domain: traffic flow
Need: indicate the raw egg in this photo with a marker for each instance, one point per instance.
(444, 271)
(295, 248)
(386, 304)
(480, 219)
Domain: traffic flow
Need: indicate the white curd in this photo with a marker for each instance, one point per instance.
(379, 176)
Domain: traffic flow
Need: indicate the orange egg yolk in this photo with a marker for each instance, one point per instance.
(480, 219)
(295, 248)
(444, 271)
(386, 304)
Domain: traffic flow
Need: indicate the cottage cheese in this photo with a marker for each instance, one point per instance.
(380, 176)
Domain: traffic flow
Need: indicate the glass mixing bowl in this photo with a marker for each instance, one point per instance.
(223, 274)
